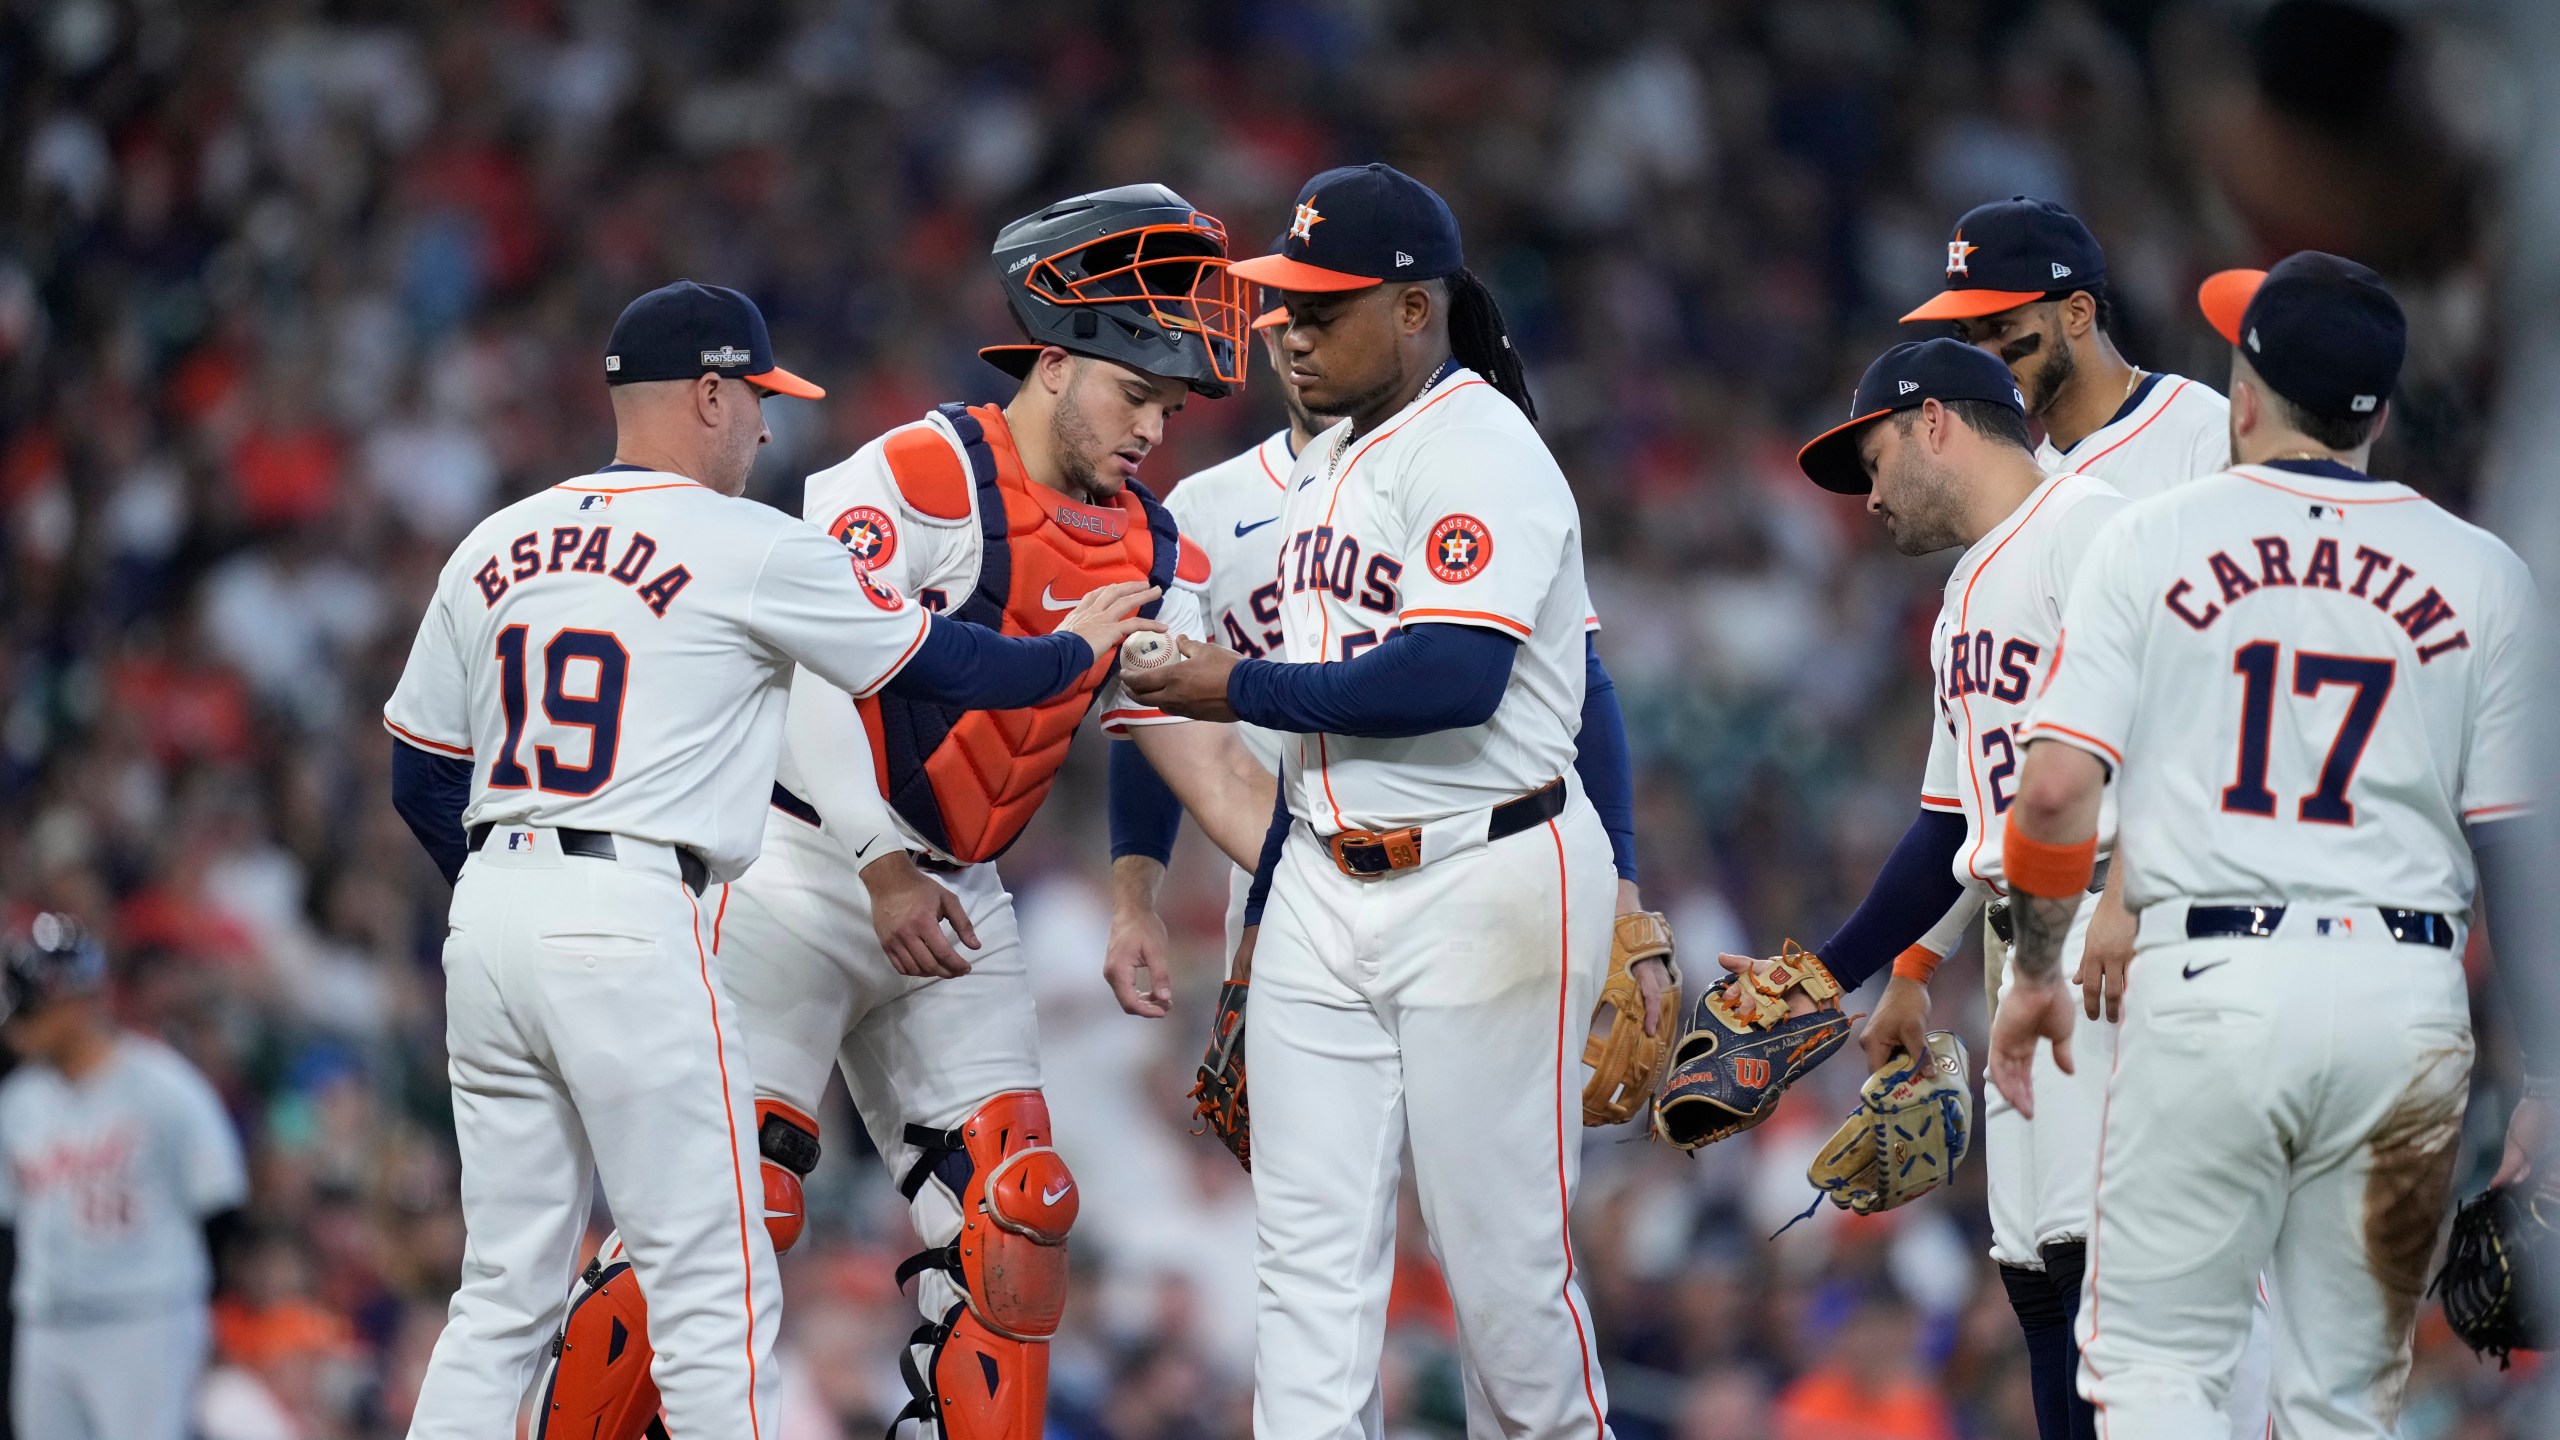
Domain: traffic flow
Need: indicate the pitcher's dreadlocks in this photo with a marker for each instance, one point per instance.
(1477, 338)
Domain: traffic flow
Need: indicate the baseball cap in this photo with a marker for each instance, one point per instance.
(1358, 226)
(53, 957)
(676, 332)
(2009, 252)
(1942, 369)
(2322, 330)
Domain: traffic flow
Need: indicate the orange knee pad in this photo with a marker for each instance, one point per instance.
(788, 1140)
(988, 1376)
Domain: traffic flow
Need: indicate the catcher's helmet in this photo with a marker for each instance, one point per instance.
(1132, 275)
(53, 957)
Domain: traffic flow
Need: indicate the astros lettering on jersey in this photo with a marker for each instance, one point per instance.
(1460, 517)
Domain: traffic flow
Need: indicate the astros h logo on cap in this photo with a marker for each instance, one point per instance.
(2010, 252)
(1376, 225)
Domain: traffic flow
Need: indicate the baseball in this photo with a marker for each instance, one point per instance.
(1146, 650)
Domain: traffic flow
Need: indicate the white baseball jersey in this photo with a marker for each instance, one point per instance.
(2309, 679)
(613, 654)
(108, 1183)
(1232, 511)
(2168, 431)
(1988, 652)
(935, 555)
(1449, 512)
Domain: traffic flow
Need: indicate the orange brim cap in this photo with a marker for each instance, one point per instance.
(1282, 273)
(783, 382)
(2224, 298)
(1272, 318)
(1971, 304)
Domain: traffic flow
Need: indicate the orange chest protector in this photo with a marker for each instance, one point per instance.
(968, 781)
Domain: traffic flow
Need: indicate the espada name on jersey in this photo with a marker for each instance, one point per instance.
(584, 550)
(2390, 586)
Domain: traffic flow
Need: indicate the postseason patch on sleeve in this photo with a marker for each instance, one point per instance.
(1460, 548)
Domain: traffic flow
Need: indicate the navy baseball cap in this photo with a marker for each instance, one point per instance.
(2323, 331)
(679, 331)
(53, 957)
(1358, 226)
(2010, 252)
(1942, 369)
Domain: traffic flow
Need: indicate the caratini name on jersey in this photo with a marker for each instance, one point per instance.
(2268, 564)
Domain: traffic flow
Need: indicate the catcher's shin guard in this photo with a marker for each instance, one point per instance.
(986, 1373)
(600, 1387)
(788, 1139)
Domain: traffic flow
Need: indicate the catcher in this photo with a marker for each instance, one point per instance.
(1937, 444)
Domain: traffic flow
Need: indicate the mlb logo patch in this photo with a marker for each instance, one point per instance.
(2336, 927)
(595, 502)
(520, 840)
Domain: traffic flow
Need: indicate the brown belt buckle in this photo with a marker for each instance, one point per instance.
(1368, 854)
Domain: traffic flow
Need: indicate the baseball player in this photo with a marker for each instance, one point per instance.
(2027, 282)
(586, 736)
(1233, 508)
(892, 811)
(1937, 441)
(1440, 901)
(121, 1171)
(2309, 686)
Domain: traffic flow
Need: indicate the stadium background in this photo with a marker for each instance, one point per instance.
(292, 293)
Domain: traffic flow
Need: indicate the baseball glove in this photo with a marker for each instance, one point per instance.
(1625, 1062)
(1743, 1049)
(1912, 1127)
(2498, 1240)
(1218, 1097)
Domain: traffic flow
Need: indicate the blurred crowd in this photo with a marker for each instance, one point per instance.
(292, 293)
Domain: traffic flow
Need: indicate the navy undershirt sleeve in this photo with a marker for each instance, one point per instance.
(1914, 891)
(1418, 680)
(2507, 904)
(431, 791)
(1606, 770)
(1145, 817)
(1273, 840)
(975, 667)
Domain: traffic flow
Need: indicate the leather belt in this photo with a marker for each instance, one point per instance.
(1997, 912)
(1368, 854)
(2409, 927)
(598, 845)
(807, 814)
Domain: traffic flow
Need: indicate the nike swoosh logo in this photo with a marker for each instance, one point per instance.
(865, 846)
(1049, 601)
(1050, 1197)
(1242, 529)
(2192, 971)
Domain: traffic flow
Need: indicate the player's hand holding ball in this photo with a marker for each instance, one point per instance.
(1191, 683)
(1108, 615)
(2034, 1009)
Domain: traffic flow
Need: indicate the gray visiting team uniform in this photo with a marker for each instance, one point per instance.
(108, 1182)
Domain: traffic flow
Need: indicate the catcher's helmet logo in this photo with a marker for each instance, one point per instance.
(1460, 548)
(867, 534)
(1957, 250)
(1304, 220)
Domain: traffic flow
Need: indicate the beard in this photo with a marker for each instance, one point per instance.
(2050, 377)
(1923, 518)
(1072, 435)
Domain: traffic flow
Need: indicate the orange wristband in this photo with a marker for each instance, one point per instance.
(2043, 868)
(1917, 963)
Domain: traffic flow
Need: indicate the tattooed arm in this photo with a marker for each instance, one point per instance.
(2049, 850)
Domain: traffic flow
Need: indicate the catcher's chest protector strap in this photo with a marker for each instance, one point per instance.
(969, 780)
(600, 1387)
(987, 1378)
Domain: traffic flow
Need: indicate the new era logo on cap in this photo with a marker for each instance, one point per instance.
(1402, 259)
(2060, 270)
(2362, 404)
(1905, 387)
